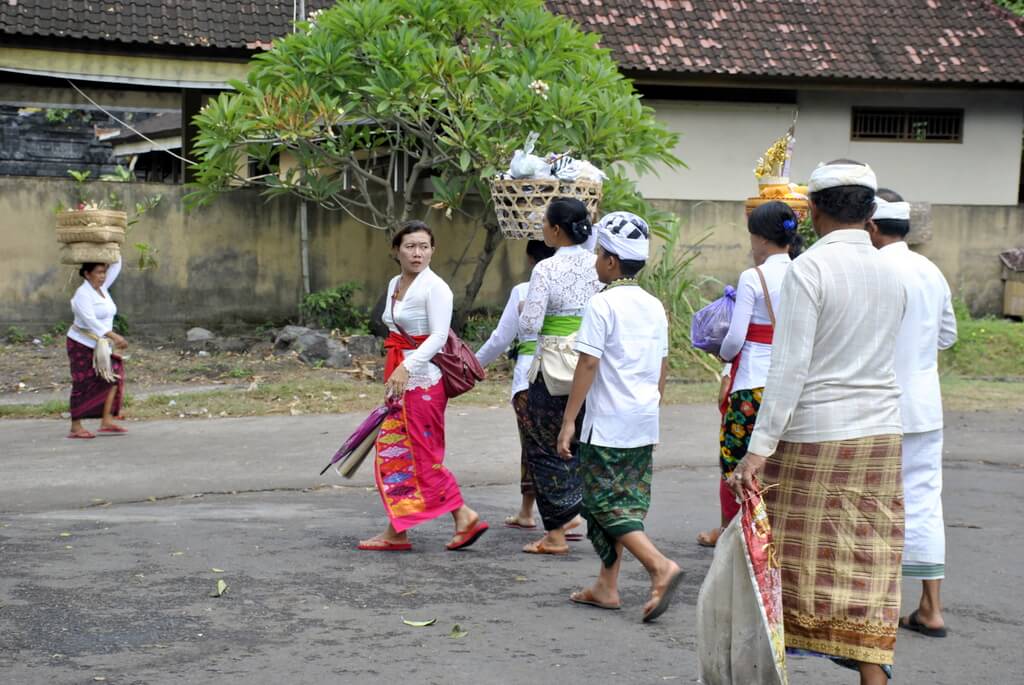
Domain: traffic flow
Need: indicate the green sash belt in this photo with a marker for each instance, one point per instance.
(527, 348)
(561, 326)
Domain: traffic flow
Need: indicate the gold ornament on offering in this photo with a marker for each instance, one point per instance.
(772, 173)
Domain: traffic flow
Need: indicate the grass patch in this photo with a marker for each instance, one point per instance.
(987, 348)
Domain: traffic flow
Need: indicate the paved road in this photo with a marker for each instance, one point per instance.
(121, 591)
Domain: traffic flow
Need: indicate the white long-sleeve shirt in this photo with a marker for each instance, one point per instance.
(426, 309)
(752, 308)
(833, 372)
(928, 326)
(560, 285)
(94, 311)
(502, 337)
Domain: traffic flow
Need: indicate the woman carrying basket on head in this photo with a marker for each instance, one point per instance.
(560, 288)
(748, 344)
(409, 466)
(97, 376)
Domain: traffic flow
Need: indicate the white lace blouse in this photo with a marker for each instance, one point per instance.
(426, 309)
(559, 286)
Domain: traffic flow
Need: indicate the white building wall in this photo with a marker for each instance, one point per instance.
(721, 142)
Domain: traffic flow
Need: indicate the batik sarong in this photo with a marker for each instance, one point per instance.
(737, 427)
(520, 403)
(409, 466)
(556, 481)
(616, 493)
(836, 513)
(88, 390)
(924, 555)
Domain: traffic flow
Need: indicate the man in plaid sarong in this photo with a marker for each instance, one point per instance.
(828, 435)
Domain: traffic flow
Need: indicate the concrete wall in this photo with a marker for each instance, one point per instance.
(236, 260)
(965, 244)
(721, 143)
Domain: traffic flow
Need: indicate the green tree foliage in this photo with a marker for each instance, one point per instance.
(371, 99)
(1015, 6)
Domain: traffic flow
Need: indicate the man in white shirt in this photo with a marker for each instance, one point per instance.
(623, 348)
(828, 435)
(928, 326)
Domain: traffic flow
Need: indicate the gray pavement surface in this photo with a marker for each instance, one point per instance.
(107, 549)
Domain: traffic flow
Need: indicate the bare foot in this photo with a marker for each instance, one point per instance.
(664, 582)
(546, 546)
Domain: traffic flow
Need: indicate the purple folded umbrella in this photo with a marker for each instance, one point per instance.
(711, 324)
(367, 428)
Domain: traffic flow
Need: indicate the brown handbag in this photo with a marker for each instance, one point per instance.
(460, 370)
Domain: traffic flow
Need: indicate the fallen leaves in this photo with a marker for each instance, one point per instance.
(457, 632)
(222, 587)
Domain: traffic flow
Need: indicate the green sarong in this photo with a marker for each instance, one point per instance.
(616, 493)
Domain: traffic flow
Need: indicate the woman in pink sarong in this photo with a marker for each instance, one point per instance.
(409, 466)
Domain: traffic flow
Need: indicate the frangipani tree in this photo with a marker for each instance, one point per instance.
(378, 107)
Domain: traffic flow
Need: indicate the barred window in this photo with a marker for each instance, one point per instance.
(907, 125)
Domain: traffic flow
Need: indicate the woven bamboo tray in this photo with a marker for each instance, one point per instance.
(92, 217)
(91, 234)
(97, 253)
(520, 203)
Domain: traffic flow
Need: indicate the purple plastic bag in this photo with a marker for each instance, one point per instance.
(711, 324)
(368, 427)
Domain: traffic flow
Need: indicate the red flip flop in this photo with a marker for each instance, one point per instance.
(468, 537)
(81, 435)
(114, 430)
(384, 546)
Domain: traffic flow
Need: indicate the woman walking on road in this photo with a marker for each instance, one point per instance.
(409, 466)
(97, 376)
(774, 242)
(504, 335)
(560, 288)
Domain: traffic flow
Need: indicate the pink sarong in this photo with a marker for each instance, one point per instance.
(409, 467)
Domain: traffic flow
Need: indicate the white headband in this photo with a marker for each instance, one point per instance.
(891, 210)
(833, 175)
(624, 234)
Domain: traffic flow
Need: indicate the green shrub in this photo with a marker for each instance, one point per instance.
(121, 326)
(17, 335)
(333, 309)
(669, 276)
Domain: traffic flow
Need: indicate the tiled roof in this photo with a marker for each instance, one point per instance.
(954, 41)
(972, 41)
(222, 24)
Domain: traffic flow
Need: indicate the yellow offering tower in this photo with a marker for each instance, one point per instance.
(772, 172)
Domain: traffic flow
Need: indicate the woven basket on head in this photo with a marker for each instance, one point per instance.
(90, 234)
(97, 253)
(520, 203)
(92, 217)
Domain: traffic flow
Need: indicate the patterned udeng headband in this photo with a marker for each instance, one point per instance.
(624, 234)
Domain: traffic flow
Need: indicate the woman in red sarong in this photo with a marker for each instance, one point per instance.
(409, 466)
(92, 395)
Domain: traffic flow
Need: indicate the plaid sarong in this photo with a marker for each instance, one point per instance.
(836, 512)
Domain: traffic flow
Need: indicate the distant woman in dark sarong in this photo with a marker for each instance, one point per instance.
(97, 375)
